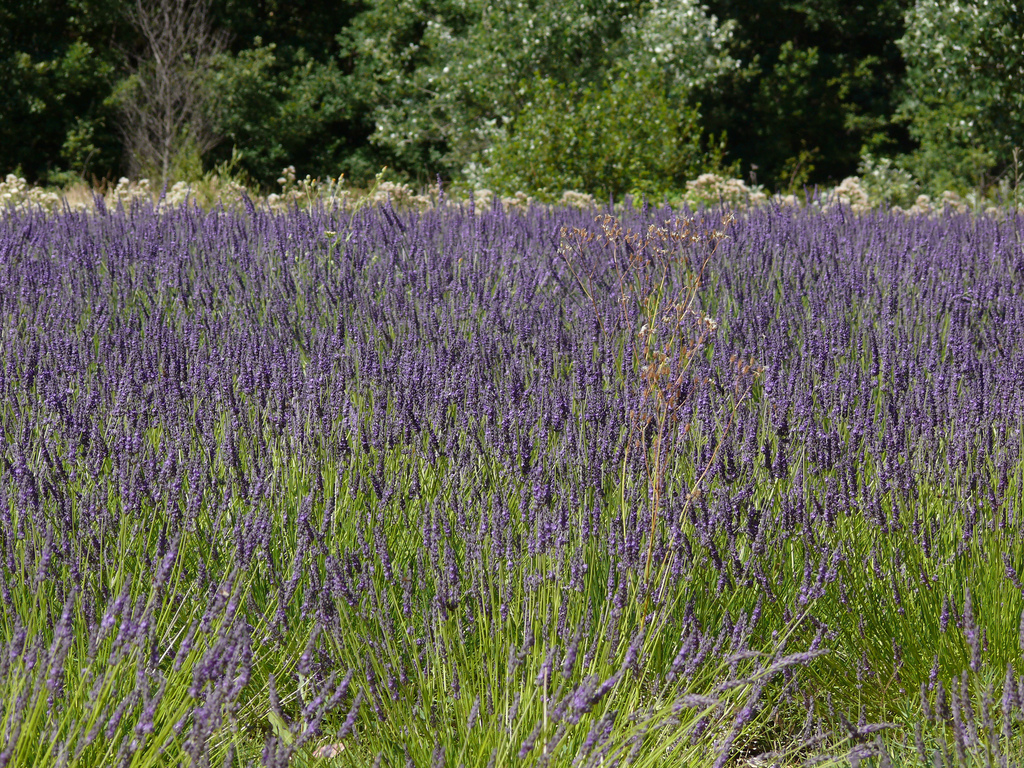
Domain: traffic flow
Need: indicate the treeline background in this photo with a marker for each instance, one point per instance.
(601, 96)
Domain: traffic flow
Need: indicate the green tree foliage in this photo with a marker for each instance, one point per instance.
(282, 99)
(448, 77)
(444, 76)
(56, 70)
(282, 107)
(287, 91)
(817, 87)
(964, 95)
(802, 91)
(624, 136)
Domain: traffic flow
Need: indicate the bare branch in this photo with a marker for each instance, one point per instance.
(167, 106)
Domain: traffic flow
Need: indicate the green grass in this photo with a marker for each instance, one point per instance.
(465, 666)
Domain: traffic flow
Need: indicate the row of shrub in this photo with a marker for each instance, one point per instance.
(860, 194)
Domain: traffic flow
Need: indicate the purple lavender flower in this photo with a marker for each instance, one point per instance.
(971, 631)
(569, 659)
(350, 718)
(527, 746)
(474, 714)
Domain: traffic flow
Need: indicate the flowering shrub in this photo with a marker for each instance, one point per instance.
(16, 193)
(710, 189)
(961, 100)
(885, 182)
(881, 186)
(851, 194)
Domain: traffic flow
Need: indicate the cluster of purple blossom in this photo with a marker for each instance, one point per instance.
(371, 477)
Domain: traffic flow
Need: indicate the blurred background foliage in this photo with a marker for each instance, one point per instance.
(602, 96)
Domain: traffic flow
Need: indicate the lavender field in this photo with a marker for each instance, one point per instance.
(464, 488)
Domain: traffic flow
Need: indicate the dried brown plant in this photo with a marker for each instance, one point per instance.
(660, 272)
(166, 106)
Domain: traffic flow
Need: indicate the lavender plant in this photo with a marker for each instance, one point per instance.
(404, 493)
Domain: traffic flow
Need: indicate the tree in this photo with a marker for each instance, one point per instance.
(278, 106)
(625, 136)
(629, 128)
(56, 72)
(448, 78)
(964, 101)
(285, 94)
(166, 104)
(816, 88)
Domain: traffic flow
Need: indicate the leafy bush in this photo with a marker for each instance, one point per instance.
(817, 85)
(963, 103)
(628, 135)
(444, 79)
(886, 182)
(278, 108)
(711, 190)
